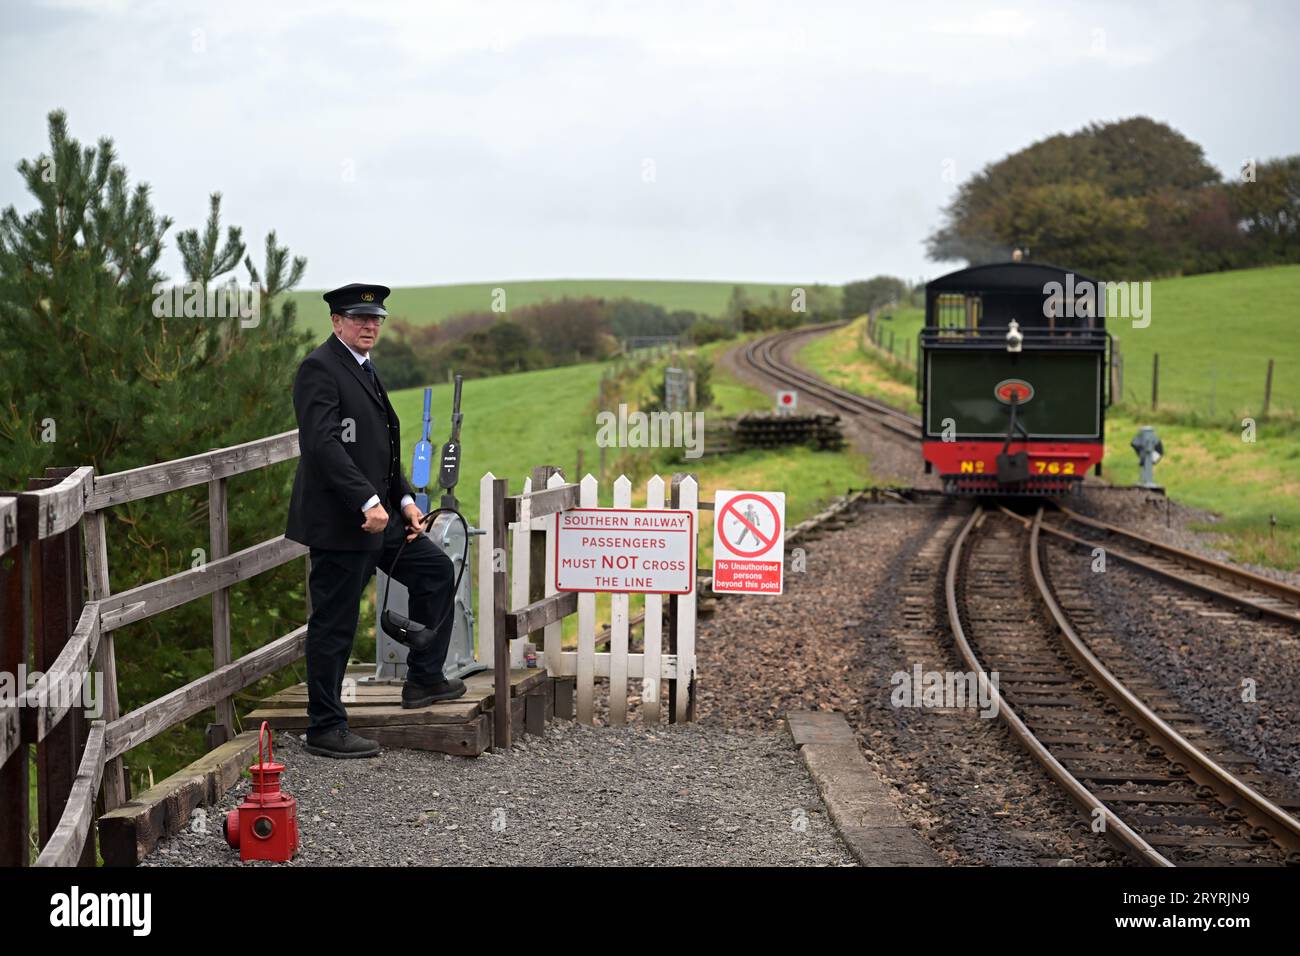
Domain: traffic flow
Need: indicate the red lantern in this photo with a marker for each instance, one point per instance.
(265, 825)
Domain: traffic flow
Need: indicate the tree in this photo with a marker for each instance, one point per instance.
(1111, 199)
(736, 306)
(862, 296)
(101, 368)
(398, 364)
(1269, 210)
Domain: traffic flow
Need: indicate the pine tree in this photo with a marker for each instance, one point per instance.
(99, 368)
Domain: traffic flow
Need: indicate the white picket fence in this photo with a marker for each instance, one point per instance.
(651, 667)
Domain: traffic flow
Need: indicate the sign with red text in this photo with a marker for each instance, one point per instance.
(748, 542)
(625, 550)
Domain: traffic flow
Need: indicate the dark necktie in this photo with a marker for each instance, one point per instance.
(374, 379)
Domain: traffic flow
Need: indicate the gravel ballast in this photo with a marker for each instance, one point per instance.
(834, 641)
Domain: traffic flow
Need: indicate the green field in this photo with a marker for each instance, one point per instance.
(1228, 322)
(512, 423)
(515, 422)
(1215, 334)
(422, 305)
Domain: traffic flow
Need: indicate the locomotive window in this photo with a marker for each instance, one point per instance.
(957, 313)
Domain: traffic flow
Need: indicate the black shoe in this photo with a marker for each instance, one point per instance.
(341, 743)
(422, 695)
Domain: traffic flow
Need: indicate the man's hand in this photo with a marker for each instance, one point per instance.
(413, 516)
(376, 519)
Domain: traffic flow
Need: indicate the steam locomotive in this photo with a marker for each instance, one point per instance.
(1013, 379)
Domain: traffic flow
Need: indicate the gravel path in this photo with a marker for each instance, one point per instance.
(674, 795)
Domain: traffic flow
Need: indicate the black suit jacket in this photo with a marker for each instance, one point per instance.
(336, 476)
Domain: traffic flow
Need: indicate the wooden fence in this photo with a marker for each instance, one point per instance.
(61, 530)
(514, 604)
(58, 609)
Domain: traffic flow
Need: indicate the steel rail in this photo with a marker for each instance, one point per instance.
(1119, 832)
(1250, 581)
(763, 356)
(1202, 768)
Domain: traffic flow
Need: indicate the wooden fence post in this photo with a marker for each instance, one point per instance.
(553, 633)
(1268, 386)
(520, 554)
(1116, 381)
(537, 553)
(1155, 379)
(652, 628)
(501, 650)
(674, 501)
(114, 782)
(586, 678)
(684, 625)
(684, 494)
(57, 601)
(618, 628)
(219, 546)
(14, 822)
(487, 545)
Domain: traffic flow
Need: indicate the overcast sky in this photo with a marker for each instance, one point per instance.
(428, 143)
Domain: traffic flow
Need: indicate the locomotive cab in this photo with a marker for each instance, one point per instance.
(1013, 384)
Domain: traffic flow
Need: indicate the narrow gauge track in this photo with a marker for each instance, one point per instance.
(769, 357)
(1160, 798)
(1254, 592)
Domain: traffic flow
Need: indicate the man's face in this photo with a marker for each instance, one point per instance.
(358, 332)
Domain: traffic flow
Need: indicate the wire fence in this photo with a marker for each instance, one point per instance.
(1207, 388)
(1218, 388)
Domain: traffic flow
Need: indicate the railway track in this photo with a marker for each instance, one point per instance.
(1155, 780)
(1225, 582)
(769, 357)
(1149, 777)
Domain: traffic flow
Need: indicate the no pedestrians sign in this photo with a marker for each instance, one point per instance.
(748, 542)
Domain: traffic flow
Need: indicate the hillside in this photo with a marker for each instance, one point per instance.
(426, 304)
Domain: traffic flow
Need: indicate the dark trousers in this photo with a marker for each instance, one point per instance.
(337, 580)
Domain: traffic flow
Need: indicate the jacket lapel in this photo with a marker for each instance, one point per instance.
(352, 365)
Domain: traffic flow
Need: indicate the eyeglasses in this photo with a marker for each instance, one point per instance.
(366, 319)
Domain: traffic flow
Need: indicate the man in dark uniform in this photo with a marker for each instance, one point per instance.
(347, 497)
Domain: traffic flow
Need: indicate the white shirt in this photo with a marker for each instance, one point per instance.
(373, 499)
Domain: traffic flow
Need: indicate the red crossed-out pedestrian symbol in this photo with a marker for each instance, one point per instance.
(750, 527)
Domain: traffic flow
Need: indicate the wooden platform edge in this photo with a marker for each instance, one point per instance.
(131, 832)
